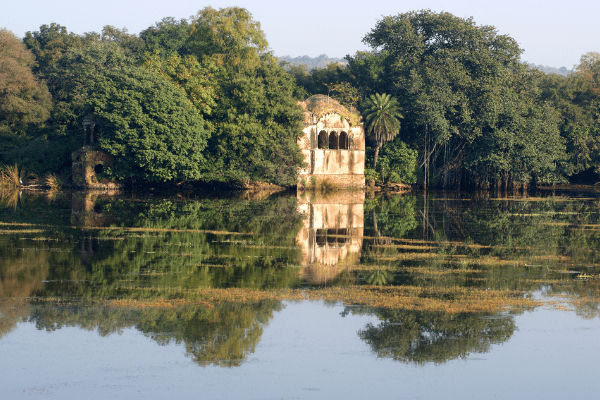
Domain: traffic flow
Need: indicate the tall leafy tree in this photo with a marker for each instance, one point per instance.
(256, 119)
(150, 127)
(198, 79)
(459, 85)
(24, 99)
(383, 120)
(229, 34)
(167, 36)
(589, 71)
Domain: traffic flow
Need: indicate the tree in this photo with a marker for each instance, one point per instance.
(383, 120)
(145, 120)
(167, 36)
(570, 96)
(196, 78)
(459, 85)
(150, 127)
(229, 34)
(49, 44)
(589, 70)
(24, 100)
(345, 93)
(256, 119)
(131, 44)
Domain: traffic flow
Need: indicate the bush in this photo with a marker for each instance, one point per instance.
(397, 164)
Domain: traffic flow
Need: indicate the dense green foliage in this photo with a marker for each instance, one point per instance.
(397, 164)
(106, 263)
(476, 114)
(197, 101)
(203, 100)
(24, 100)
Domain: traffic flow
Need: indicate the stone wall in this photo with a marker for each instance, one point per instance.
(87, 167)
(326, 167)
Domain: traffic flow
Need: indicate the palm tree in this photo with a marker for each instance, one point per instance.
(383, 120)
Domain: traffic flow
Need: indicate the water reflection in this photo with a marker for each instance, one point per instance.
(443, 276)
(331, 235)
(223, 335)
(420, 337)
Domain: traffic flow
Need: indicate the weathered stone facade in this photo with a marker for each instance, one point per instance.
(87, 168)
(332, 233)
(332, 144)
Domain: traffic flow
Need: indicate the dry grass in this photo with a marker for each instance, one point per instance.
(160, 230)
(10, 176)
(451, 300)
(52, 182)
(19, 231)
(16, 224)
(154, 303)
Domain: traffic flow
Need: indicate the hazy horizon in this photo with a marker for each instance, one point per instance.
(550, 32)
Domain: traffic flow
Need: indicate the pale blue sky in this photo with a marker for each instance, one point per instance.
(551, 32)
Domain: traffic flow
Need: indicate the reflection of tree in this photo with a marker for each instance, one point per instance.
(180, 246)
(386, 218)
(379, 277)
(21, 275)
(223, 335)
(523, 244)
(393, 216)
(420, 337)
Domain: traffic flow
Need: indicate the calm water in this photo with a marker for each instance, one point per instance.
(336, 296)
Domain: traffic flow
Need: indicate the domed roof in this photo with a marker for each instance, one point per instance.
(320, 105)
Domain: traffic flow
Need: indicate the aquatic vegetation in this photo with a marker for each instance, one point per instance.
(188, 261)
(52, 182)
(11, 176)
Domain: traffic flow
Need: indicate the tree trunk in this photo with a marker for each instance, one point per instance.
(377, 146)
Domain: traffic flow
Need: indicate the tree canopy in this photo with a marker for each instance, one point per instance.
(24, 99)
(473, 113)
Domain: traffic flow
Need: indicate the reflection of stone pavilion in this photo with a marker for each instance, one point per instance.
(332, 233)
(87, 212)
(332, 144)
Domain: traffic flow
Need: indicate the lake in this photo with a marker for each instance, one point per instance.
(339, 295)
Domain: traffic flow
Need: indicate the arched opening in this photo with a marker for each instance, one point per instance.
(331, 236)
(333, 141)
(98, 168)
(342, 236)
(344, 141)
(323, 140)
(321, 237)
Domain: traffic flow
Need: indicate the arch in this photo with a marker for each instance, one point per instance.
(99, 168)
(331, 236)
(321, 237)
(334, 143)
(344, 144)
(342, 236)
(323, 140)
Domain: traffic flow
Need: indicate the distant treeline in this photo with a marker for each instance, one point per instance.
(203, 100)
(311, 63)
(551, 70)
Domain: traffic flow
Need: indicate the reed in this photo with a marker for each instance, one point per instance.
(52, 182)
(10, 176)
